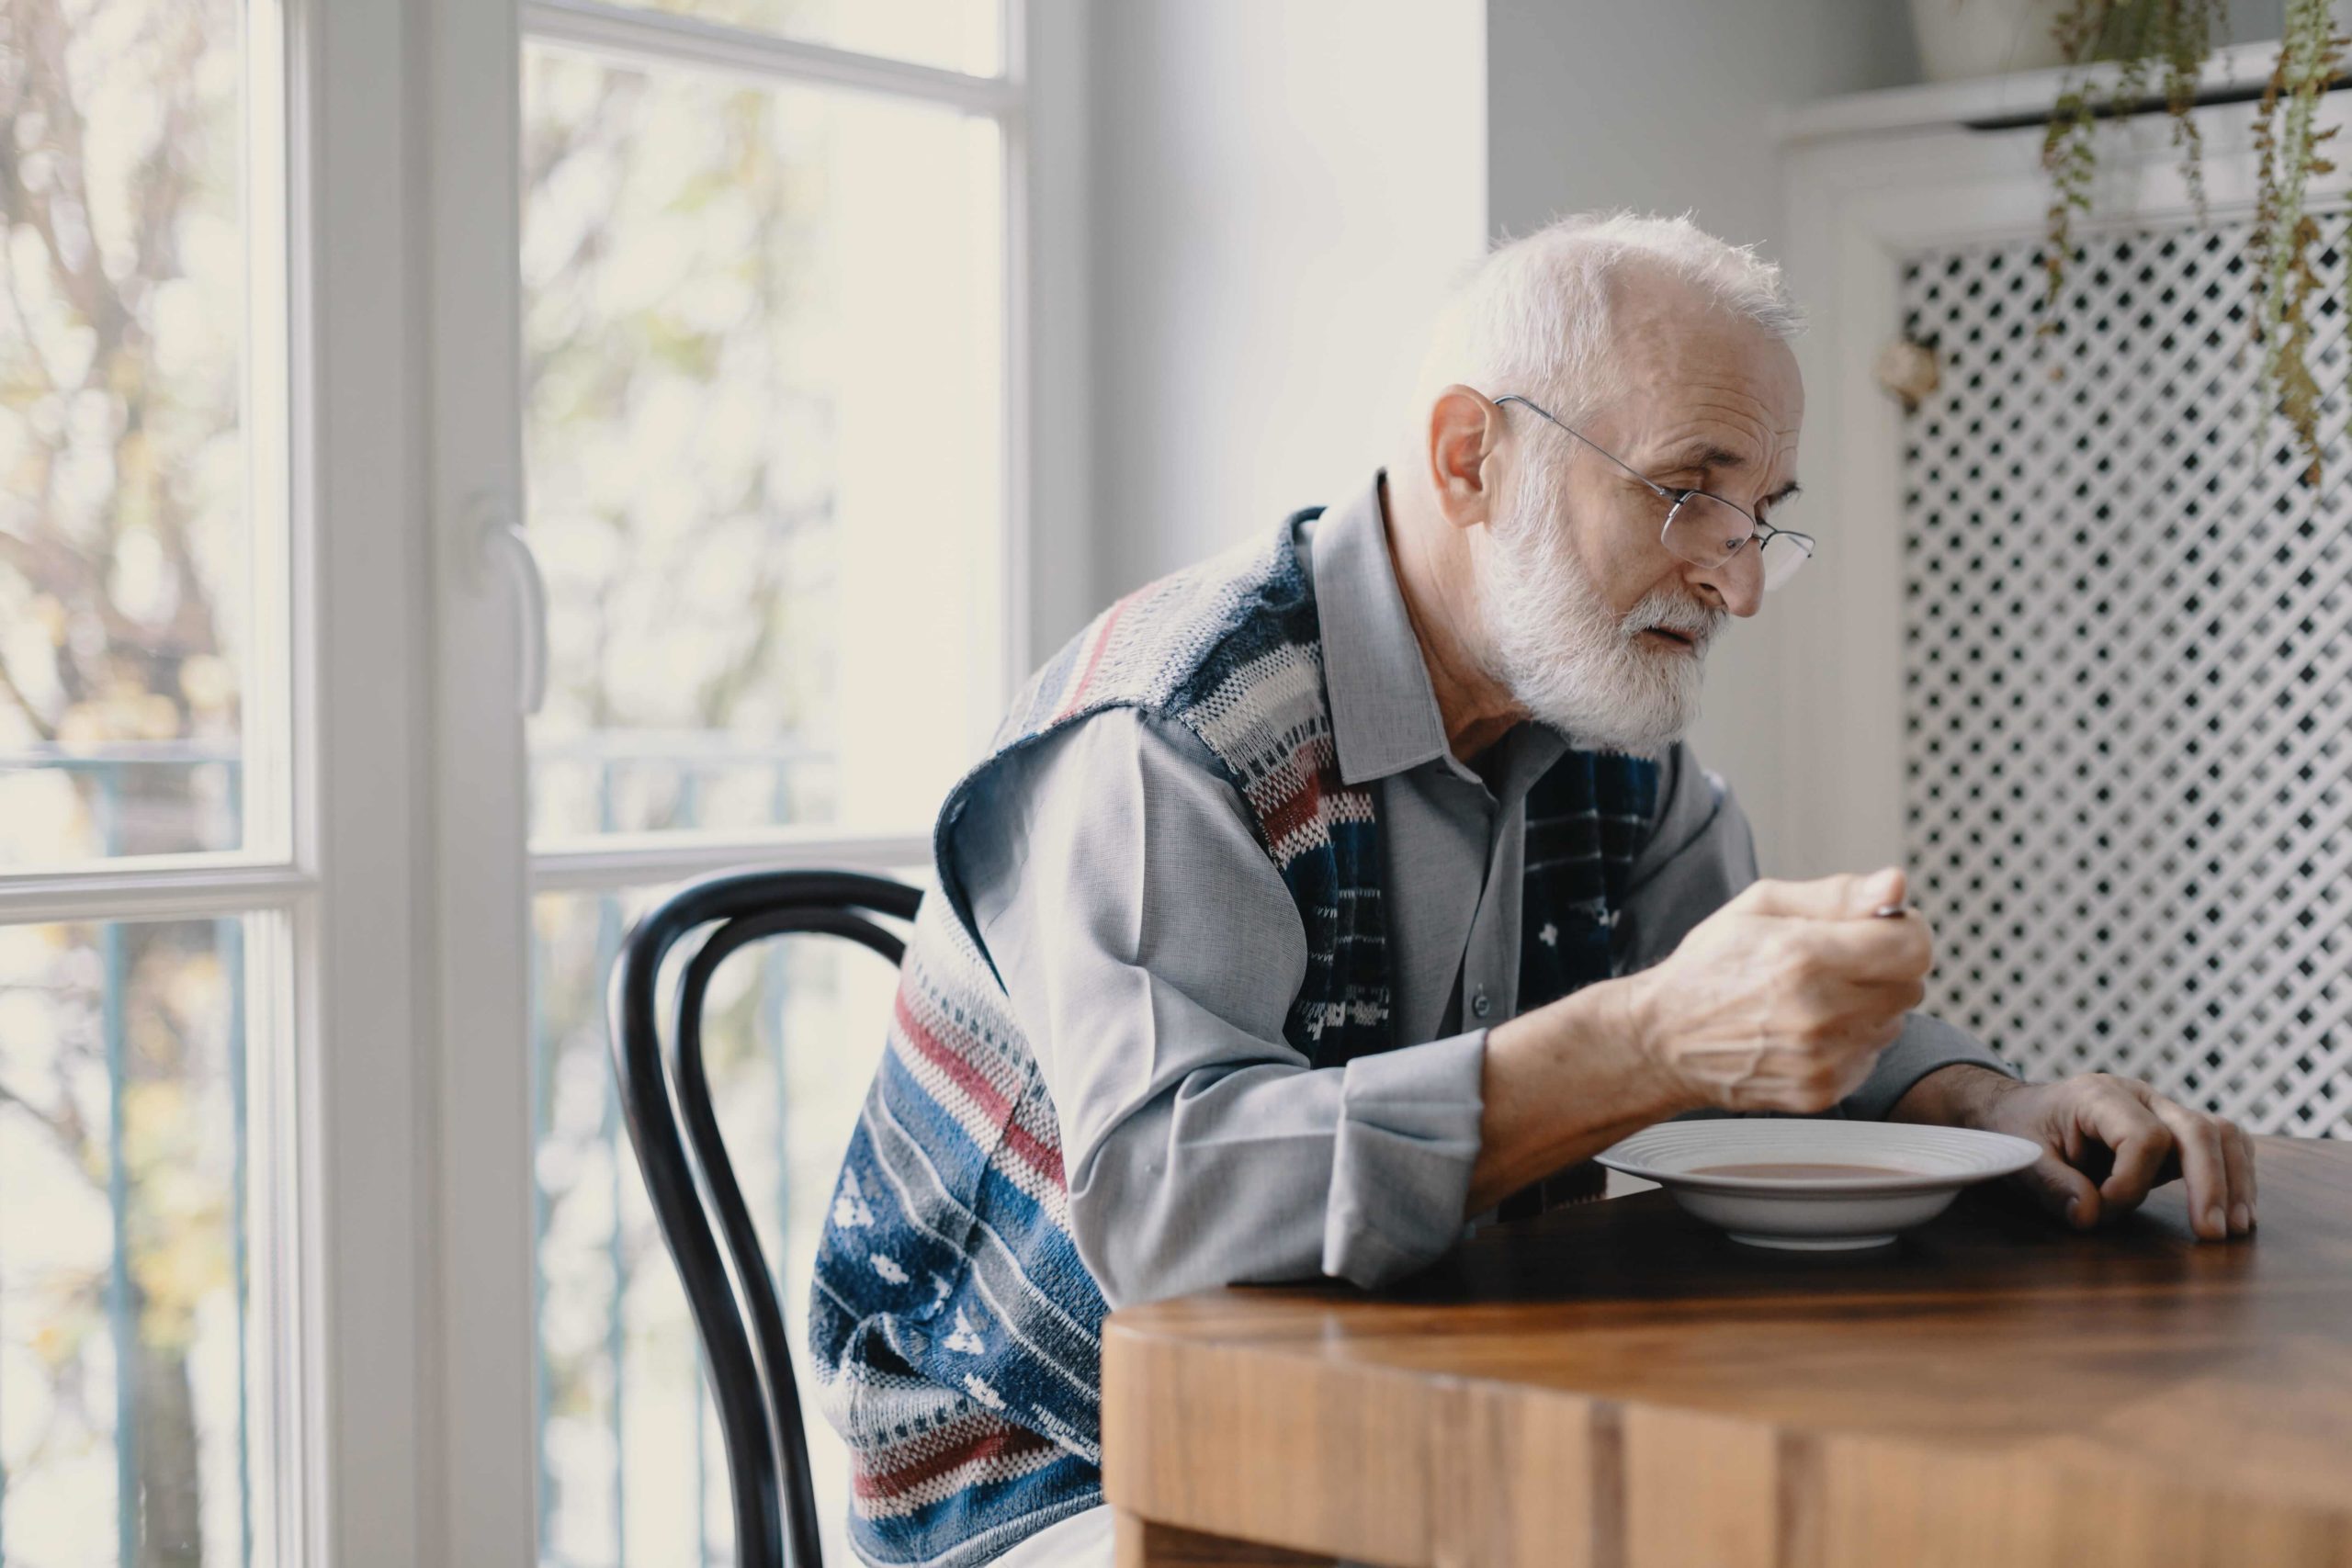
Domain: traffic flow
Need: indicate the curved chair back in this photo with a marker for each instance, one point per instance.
(696, 1200)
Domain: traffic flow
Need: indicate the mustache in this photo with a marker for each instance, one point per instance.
(1674, 612)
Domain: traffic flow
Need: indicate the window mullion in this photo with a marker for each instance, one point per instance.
(353, 1125)
(631, 36)
(479, 1477)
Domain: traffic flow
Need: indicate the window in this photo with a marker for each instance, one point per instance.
(318, 1241)
(763, 432)
(125, 1292)
(148, 888)
(141, 537)
(764, 424)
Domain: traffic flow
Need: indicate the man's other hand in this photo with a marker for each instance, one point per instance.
(2106, 1143)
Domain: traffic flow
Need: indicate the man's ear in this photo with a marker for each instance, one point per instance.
(1466, 428)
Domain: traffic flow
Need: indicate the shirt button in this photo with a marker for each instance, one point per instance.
(1479, 1004)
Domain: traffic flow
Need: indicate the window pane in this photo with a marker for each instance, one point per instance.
(628, 1438)
(125, 505)
(956, 35)
(125, 1388)
(764, 437)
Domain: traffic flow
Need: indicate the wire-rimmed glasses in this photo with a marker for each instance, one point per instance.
(1702, 528)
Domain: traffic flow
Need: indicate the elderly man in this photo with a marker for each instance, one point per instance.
(1324, 896)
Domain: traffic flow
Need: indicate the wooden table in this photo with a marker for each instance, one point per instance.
(1616, 1385)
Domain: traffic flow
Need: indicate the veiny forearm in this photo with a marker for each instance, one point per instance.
(1561, 1084)
(1954, 1096)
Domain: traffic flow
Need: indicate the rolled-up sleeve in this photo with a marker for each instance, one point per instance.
(1699, 855)
(1151, 953)
(1926, 1044)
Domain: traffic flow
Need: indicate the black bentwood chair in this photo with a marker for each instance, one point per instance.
(732, 1294)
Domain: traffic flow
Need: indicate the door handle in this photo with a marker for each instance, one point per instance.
(503, 538)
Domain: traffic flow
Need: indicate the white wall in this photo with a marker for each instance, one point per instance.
(1284, 191)
(1666, 106)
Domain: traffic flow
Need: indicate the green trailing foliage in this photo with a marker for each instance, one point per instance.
(2141, 37)
(2170, 40)
(2286, 237)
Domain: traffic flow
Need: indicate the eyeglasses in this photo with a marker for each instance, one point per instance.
(1704, 529)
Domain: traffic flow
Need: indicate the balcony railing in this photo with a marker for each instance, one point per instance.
(676, 768)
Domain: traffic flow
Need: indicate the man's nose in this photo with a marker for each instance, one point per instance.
(1738, 585)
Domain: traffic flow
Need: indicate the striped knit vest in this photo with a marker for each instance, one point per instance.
(955, 1331)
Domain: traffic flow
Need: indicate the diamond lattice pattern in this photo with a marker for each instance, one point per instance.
(2128, 679)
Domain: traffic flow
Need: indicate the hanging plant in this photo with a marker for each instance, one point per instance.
(2175, 38)
(2139, 36)
(2287, 141)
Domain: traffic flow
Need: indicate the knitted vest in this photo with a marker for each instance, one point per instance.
(955, 1331)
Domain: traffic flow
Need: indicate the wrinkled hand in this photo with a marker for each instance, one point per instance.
(1783, 998)
(2107, 1141)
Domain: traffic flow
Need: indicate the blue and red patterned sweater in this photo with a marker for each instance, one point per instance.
(955, 1332)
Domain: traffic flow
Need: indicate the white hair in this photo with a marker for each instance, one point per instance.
(1533, 317)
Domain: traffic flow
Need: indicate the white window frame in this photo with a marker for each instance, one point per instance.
(390, 1122)
(478, 1491)
(335, 1113)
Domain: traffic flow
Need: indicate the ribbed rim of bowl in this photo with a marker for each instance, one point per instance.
(1931, 1156)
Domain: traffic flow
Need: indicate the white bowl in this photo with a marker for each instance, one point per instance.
(1915, 1172)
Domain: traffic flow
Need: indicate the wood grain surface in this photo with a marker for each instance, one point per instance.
(1617, 1385)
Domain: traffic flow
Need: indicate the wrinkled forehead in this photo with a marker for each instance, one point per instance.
(1684, 366)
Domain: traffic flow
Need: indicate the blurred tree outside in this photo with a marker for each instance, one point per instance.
(73, 1304)
(123, 522)
(677, 444)
(123, 542)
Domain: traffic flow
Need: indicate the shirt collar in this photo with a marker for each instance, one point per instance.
(1385, 717)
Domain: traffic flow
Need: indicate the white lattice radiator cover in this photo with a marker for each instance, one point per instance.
(2128, 679)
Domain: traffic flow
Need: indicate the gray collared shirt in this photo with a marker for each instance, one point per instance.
(1151, 951)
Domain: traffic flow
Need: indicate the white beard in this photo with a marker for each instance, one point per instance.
(1555, 644)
